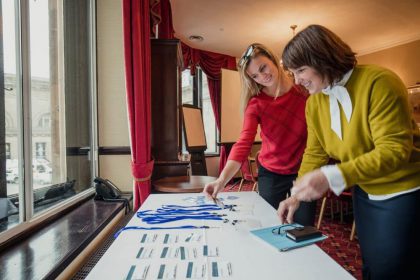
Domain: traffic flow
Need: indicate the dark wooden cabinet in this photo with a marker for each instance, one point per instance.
(166, 101)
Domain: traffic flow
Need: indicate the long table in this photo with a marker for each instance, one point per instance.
(226, 250)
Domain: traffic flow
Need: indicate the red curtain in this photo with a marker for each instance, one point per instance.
(155, 17)
(136, 25)
(161, 19)
(166, 29)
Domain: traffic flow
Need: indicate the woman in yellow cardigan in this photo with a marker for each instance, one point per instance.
(360, 116)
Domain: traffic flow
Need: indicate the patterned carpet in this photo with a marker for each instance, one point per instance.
(338, 245)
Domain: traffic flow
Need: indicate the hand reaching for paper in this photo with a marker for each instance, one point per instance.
(309, 187)
(212, 189)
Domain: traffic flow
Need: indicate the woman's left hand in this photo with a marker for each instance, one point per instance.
(311, 186)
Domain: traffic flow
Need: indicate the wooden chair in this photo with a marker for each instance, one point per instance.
(252, 168)
(250, 177)
(353, 231)
(344, 197)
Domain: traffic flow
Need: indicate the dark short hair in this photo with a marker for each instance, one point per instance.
(319, 48)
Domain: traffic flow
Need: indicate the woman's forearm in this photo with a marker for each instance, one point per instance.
(229, 171)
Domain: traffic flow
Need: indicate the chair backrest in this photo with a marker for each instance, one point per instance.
(249, 168)
(254, 150)
(253, 165)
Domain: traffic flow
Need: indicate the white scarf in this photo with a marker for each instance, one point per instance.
(338, 93)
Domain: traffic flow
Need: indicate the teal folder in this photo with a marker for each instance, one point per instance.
(281, 242)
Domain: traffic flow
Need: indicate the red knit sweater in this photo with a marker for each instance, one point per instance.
(283, 131)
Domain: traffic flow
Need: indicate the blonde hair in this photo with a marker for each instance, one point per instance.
(249, 87)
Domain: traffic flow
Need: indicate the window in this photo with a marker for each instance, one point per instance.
(187, 87)
(40, 150)
(46, 52)
(195, 91)
(208, 115)
(8, 151)
(45, 121)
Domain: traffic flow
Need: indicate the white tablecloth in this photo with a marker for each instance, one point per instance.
(232, 252)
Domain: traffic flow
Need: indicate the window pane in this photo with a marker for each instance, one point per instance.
(187, 97)
(208, 116)
(59, 51)
(9, 121)
(59, 95)
(187, 87)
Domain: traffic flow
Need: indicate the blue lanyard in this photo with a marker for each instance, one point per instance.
(158, 219)
(202, 207)
(155, 228)
(171, 213)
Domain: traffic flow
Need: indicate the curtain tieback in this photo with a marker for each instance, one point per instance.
(142, 172)
(143, 179)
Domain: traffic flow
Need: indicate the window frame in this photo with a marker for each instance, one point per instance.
(28, 219)
(197, 92)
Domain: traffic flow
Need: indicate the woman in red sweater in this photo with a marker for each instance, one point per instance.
(270, 99)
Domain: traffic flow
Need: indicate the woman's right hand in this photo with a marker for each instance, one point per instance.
(212, 189)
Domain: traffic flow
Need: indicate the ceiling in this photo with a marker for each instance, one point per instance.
(229, 26)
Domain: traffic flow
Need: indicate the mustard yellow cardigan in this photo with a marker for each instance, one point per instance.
(380, 150)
